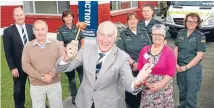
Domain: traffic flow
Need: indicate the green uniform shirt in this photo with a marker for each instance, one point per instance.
(188, 47)
(131, 43)
(152, 22)
(67, 35)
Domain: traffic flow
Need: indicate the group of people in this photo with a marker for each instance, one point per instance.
(139, 58)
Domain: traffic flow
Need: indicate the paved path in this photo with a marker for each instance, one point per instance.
(206, 95)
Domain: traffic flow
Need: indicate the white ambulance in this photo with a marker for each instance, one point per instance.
(178, 9)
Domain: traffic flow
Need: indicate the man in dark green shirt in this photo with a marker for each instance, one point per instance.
(149, 21)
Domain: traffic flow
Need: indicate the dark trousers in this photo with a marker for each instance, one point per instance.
(92, 106)
(133, 101)
(189, 83)
(72, 81)
(19, 90)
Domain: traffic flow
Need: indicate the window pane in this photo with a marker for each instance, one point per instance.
(125, 4)
(134, 4)
(48, 7)
(113, 5)
(63, 5)
(28, 7)
(120, 5)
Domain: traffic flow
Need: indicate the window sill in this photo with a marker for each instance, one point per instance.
(125, 11)
(43, 16)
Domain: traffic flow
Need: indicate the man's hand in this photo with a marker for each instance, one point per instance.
(47, 78)
(15, 73)
(131, 61)
(135, 66)
(143, 74)
(145, 71)
(71, 51)
(137, 84)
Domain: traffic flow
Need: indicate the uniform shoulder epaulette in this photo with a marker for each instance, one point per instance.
(60, 27)
(125, 29)
(122, 32)
(201, 36)
(181, 31)
(199, 32)
(158, 22)
(140, 21)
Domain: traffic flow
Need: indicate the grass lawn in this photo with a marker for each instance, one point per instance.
(7, 85)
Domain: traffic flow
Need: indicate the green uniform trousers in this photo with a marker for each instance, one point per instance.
(189, 83)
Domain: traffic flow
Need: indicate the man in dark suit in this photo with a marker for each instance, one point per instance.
(14, 39)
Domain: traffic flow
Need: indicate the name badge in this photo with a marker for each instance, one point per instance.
(192, 39)
(64, 32)
(181, 37)
(146, 56)
(128, 39)
(143, 37)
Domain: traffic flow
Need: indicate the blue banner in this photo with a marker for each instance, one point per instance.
(88, 13)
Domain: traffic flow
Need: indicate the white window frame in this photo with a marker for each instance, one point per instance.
(34, 10)
(114, 11)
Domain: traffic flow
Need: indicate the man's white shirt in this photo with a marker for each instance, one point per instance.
(20, 32)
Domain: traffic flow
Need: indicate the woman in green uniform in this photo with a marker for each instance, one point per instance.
(131, 41)
(65, 35)
(189, 50)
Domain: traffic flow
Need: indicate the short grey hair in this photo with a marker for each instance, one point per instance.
(108, 25)
(160, 27)
(39, 21)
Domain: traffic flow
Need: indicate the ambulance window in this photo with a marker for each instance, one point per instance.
(194, 3)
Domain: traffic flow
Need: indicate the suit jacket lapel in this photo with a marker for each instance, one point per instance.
(17, 35)
(93, 62)
(107, 63)
(28, 32)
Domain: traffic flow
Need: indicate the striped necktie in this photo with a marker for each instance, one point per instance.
(99, 63)
(24, 37)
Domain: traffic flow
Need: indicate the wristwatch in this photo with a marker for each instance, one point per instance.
(133, 63)
(186, 68)
(42, 77)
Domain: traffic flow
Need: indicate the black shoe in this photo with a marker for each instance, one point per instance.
(73, 102)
